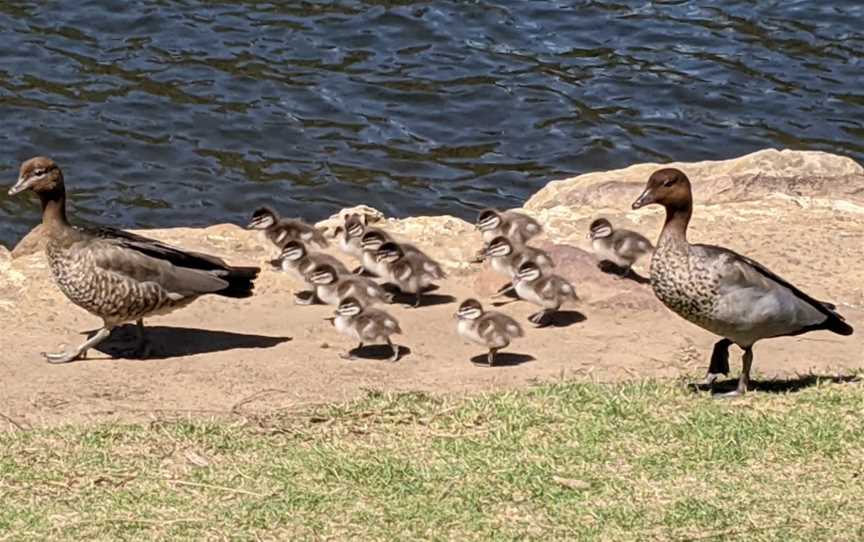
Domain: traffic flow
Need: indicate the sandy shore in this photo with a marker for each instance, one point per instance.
(800, 213)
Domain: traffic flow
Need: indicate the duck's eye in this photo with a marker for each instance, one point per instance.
(669, 183)
(40, 172)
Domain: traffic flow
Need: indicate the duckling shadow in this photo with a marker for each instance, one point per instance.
(171, 342)
(503, 359)
(566, 318)
(379, 352)
(426, 300)
(613, 269)
(781, 385)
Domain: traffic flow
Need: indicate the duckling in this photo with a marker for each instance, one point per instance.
(295, 259)
(349, 235)
(411, 273)
(506, 259)
(548, 291)
(280, 231)
(517, 227)
(116, 275)
(332, 287)
(350, 242)
(492, 329)
(722, 291)
(373, 239)
(365, 325)
(621, 247)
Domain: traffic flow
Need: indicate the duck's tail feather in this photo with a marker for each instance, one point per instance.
(241, 281)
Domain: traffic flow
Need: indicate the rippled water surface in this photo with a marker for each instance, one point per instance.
(192, 112)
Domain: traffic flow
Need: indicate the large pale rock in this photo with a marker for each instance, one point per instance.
(801, 173)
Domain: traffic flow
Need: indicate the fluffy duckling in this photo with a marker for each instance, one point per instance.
(348, 235)
(411, 273)
(548, 291)
(116, 275)
(365, 325)
(721, 291)
(332, 287)
(506, 259)
(295, 259)
(281, 231)
(372, 241)
(619, 246)
(492, 329)
(517, 227)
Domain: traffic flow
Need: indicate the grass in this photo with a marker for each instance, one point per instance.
(639, 461)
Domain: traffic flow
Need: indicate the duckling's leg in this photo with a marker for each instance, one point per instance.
(142, 346)
(416, 299)
(395, 357)
(490, 359)
(81, 351)
(719, 364)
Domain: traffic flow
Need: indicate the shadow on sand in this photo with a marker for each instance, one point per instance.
(503, 359)
(612, 269)
(171, 342)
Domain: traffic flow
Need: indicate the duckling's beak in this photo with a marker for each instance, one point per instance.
(647, 198)
(20, 186)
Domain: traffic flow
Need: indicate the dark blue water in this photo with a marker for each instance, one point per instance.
(166, 113)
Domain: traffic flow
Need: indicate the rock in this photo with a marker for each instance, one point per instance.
(755, 175)
(368, 214)
(594, 286)
(31, 243)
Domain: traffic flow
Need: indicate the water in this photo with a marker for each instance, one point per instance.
(193, 112)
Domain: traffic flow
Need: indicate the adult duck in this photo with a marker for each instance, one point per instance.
(116, 275)
(721, 291)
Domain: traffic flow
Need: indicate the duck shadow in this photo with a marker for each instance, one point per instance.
(503, 359)
(611, 268)
(380, 352)
(777, 386)
(172, 342)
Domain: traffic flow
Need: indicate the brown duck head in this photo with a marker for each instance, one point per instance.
(42, 176)
(668, 187)
(39, 174)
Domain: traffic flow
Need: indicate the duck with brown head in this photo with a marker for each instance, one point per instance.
(721, 291)
(119, 276)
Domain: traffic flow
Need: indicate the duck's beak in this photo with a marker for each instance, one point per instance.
(647, 198)
(19, 186)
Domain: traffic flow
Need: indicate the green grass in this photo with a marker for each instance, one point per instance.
(643, 461)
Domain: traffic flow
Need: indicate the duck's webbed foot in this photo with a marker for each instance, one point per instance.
(719, 364)
(395, 347)
(542, 318)
(351, 354)
(305, 297)
(490, 358)
(81, 351)
(744, 379)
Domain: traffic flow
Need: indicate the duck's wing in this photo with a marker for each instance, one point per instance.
(742, 274)
(179, 271)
